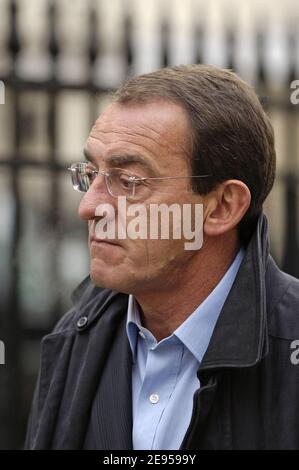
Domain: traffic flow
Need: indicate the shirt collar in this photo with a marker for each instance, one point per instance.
(133, 324)
(196, 331)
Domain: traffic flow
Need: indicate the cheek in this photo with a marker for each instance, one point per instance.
(157, 255)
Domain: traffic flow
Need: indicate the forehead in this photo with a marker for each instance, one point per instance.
(158, 126)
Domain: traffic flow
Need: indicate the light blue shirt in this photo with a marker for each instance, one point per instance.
(164, 373)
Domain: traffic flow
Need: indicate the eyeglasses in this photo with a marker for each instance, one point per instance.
(118, 182)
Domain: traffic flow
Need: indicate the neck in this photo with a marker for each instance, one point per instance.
(163, 311)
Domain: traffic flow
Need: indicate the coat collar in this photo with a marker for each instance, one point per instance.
(239, 338)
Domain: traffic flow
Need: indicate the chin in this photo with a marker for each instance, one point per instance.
(110, 278)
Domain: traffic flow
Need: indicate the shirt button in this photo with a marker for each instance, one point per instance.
(154, 398)
(142, 334)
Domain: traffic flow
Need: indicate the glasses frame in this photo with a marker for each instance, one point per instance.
(132, 177)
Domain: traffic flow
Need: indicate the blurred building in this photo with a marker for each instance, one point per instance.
(58, 61)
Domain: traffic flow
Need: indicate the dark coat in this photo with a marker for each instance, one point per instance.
(249, 394)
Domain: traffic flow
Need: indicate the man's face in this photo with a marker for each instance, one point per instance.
(156, 133)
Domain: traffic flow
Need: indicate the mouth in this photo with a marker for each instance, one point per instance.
(100, 241)
(105, 241)
(93, 240)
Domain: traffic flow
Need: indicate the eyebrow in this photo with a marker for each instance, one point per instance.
(116, 160)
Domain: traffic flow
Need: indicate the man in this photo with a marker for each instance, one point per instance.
(168, 348)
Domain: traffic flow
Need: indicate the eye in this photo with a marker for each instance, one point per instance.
(91, 172)
(127, 181)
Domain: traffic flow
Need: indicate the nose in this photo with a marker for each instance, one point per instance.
(97, 194)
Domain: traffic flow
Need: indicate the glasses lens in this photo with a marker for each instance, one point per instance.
(120, 183)
(82, 175)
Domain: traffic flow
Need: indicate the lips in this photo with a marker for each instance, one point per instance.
(104, 240)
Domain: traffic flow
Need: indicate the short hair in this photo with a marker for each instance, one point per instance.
(231, 135)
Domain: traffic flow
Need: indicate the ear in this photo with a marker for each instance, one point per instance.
(226, 206)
